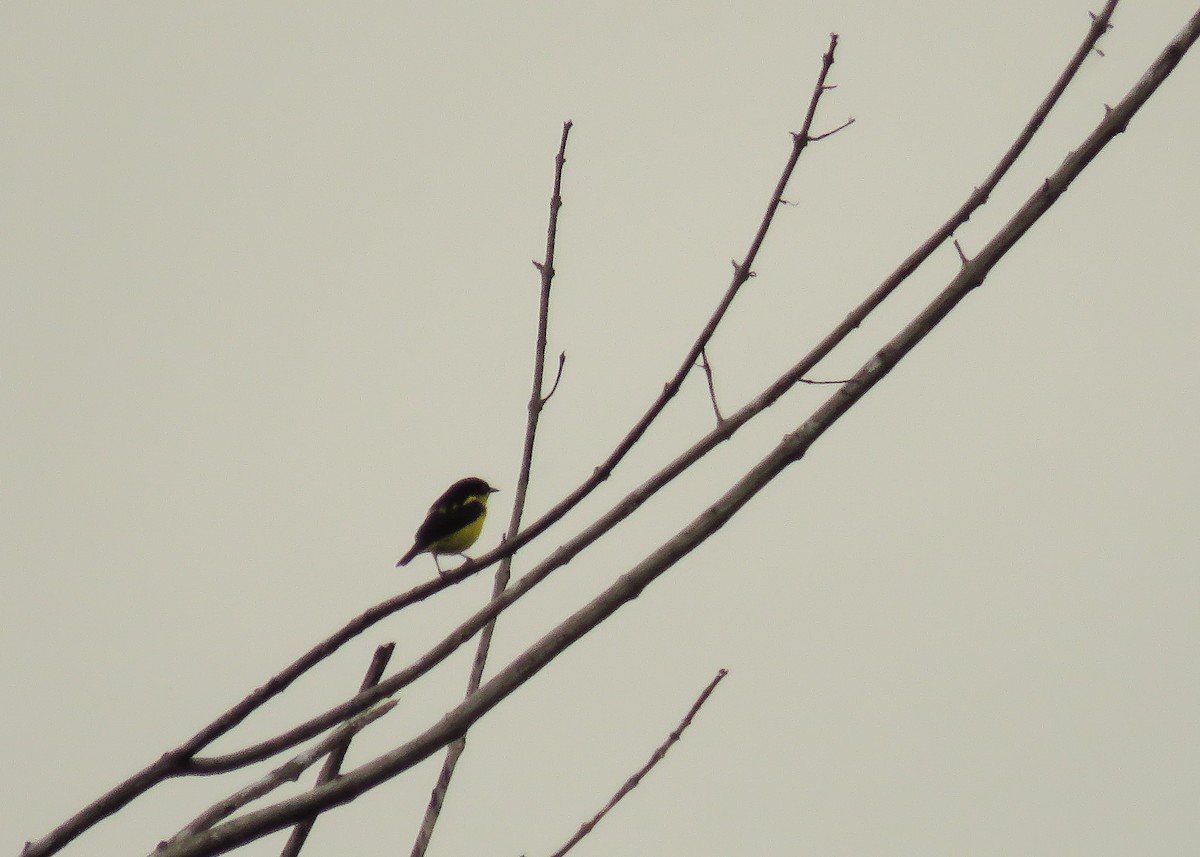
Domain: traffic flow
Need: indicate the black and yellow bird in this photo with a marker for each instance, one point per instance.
(454, 522)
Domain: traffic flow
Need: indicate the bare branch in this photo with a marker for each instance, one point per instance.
(333, 764)
(818, 383)
(655, 758)
(841, 127)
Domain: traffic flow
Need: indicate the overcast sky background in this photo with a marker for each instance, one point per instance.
(267, 292)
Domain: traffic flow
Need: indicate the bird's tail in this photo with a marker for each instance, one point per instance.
(407, 558)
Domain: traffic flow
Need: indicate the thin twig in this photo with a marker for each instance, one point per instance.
(655, 758)
(537, 401)
(818, 383)
(333, 764)
(962, 257)
(712, 390)
(562, 359)
(841, 127)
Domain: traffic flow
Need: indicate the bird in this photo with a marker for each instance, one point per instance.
(454, 522)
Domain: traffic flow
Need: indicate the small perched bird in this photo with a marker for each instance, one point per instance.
(454, 522)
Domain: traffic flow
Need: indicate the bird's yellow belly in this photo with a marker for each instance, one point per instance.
(461, 540)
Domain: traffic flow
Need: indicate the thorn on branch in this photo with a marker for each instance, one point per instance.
(740, 271)
(537, 264)
(562, 358)
(962, 257)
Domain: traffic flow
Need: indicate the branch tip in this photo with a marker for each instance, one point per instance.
(841, 127)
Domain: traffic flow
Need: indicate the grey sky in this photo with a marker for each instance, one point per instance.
(267, 287)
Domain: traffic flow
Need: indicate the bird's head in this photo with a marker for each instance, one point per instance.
(470, 489)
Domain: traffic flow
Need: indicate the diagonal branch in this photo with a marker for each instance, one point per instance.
(655, 758)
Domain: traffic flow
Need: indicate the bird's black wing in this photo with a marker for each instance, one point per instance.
(445, 519)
